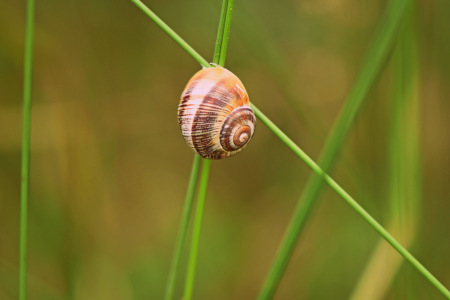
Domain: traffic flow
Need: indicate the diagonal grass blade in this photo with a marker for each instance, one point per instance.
(375, 59)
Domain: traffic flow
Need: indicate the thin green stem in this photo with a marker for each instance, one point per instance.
(181, 236)
(26, 141)
(344, 195)
(220, 32)
(196, 231)
(226, 32)
(375, 59)
(171, 33)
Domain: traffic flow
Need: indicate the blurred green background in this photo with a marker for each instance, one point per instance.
(109, 167)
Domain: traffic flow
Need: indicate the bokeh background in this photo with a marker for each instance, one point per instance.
(109, 167)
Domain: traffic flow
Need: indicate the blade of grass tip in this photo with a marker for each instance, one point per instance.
(26, 141)
(189, 285)
(171, 33)
(181, 236)
(344, 195)
(376, 56)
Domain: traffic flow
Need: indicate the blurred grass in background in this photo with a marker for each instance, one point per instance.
(109, 167)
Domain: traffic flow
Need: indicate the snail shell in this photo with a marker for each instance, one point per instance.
(215, 115)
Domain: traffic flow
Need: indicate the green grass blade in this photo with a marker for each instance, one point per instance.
(171, 33)
(373, 64)
(189, 286)
(226, 32)
(220, 32)
(26, 141)
(181, 236)
(344, 195)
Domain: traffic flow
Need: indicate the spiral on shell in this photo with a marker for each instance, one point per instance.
(214, 114)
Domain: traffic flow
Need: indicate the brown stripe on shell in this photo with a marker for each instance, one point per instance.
(205, 124)
(187, 94)
(190, 87)
(182, 107)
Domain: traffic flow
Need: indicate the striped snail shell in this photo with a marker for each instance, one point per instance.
(215, 115)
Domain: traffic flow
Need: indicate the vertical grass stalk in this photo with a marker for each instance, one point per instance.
(377, 55)
(189, 285)
(220, 31)
(219, 58)
(181, 236)
(226, 31)
(26, 141)
(221, 44)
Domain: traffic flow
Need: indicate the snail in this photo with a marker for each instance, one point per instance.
(215, 115)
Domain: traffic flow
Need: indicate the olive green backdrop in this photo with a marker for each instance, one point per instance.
(109, 167)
